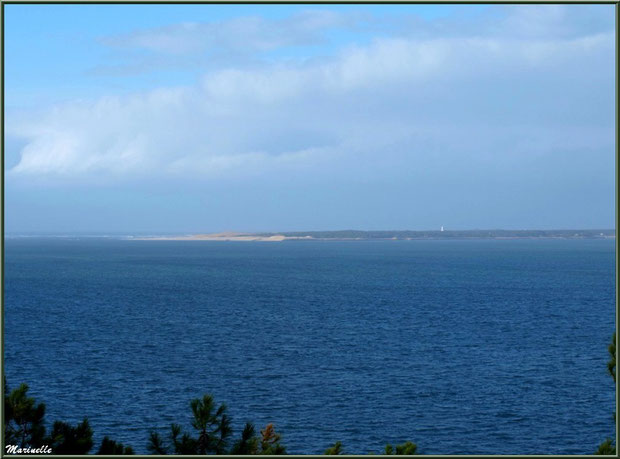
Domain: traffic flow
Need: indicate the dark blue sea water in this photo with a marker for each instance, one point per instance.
(462, 346)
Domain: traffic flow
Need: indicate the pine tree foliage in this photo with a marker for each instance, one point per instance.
(248, 444)
(213, 433)
(110, 447)
(66, 439)
(406, 449)
(156, 445)
(270, 441)
(609, 446)
(335, 449)
(212, 426)
(23, 418)
(24, 426)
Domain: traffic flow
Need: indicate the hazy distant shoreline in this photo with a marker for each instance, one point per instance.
(355, 235)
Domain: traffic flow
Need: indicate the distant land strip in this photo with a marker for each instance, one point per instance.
(356, 235)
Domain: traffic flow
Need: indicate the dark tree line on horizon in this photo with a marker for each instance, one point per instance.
(447, 234)
(25, 431)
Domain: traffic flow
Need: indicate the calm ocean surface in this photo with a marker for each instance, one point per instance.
(462, 346)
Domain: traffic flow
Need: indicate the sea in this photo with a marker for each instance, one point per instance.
(461, 346)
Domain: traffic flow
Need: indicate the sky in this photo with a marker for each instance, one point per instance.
(205, 118)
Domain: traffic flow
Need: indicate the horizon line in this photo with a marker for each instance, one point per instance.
(444, 230)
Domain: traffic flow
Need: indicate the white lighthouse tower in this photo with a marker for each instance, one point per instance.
(441, 228)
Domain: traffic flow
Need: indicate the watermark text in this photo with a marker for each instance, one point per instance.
(14, 449)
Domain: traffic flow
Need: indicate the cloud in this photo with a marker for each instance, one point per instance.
(199, 46)
(514, 91)
(243, 34)
(207, 45)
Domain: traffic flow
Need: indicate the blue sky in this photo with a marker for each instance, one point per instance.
(194, 118)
